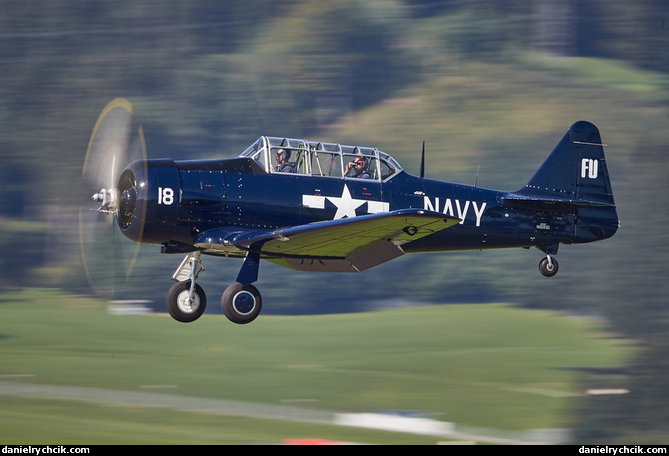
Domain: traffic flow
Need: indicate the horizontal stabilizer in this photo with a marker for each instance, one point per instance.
(539, 203)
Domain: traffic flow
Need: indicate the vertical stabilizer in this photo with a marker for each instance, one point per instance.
(576, 170)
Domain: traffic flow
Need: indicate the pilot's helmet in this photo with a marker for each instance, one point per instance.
(286, 153)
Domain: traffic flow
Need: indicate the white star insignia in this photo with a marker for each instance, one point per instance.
(346, 205)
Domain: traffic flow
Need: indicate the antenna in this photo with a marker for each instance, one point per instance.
(422, 162)
(477, 176)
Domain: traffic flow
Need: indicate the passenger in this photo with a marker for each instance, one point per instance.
(282, 157)
(358, 169)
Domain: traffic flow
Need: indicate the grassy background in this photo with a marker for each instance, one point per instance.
(492, 366)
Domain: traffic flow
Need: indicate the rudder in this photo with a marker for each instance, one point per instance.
(593, 182)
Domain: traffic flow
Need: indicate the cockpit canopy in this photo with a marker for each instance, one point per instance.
(319, 158)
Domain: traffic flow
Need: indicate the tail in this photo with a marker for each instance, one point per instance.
(574, 178)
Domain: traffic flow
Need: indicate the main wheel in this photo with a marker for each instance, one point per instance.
(549, 269)
(180, 307)
(241, 304)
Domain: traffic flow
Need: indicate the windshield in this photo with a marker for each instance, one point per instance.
(299, 156)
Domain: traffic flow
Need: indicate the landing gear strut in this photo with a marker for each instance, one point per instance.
(241, 301)
(186, 300)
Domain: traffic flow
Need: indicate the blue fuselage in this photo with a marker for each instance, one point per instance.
(176, 201)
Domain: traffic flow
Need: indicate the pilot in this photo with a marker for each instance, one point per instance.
(282, 157)
(358, 169)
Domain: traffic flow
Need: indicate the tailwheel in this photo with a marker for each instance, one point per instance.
(186, 305)
(241, 304)
(548, 266)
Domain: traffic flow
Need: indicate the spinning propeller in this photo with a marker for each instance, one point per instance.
(111, 148)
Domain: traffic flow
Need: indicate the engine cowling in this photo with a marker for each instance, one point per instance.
(148, 206)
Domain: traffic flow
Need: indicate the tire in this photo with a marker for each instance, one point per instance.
(241, 304)
(547, 269)
(177, 302)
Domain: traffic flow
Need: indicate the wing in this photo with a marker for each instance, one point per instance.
(344, 245)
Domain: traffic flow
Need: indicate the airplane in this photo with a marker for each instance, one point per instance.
(320, 206)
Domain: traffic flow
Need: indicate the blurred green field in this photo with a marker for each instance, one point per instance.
(490, 366)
